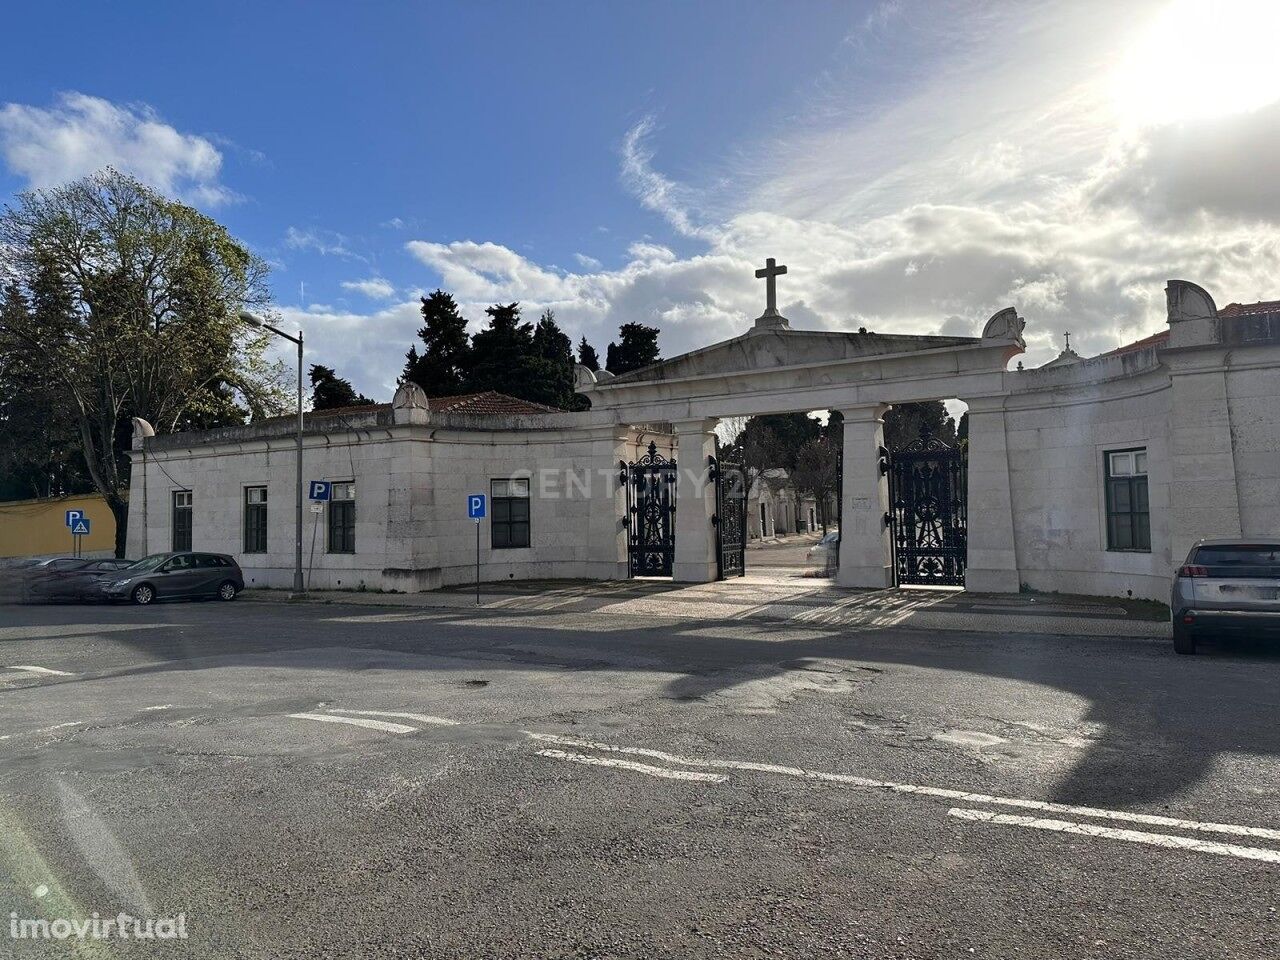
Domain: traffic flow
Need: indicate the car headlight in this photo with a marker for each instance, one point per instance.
(118, 583)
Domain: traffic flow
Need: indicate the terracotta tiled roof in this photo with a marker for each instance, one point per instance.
(347, 411)
(1250, 309)
(487, 402)
(1160, 339)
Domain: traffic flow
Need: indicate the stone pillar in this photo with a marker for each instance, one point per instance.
(695, 556)
(607, 524)
(992, 565)
(866, 557)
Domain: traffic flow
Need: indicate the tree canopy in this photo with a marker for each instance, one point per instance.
(587, 356)
(636, 347)
(133, 305)
(441, 369)
(907, 422)
(331, 392)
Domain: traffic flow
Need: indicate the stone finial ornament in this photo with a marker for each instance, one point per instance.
(409, 405)
(1188, 301)
(141, 430)
(1005, 325)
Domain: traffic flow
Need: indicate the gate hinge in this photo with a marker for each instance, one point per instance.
(715, 519)
(888, 519)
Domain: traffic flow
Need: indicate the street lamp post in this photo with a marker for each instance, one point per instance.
(260, 324)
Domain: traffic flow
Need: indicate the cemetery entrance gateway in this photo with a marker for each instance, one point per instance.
(730, 519)
(651, 514)
(928, 516)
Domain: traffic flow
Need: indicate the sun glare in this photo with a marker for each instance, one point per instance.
(1200, 59)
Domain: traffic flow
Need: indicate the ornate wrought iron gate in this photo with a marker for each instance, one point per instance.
(651, 514)
(731, 517)
(928, 486)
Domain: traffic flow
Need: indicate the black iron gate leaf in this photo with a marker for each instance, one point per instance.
(651, 514)
(928, 512)
(731, 517)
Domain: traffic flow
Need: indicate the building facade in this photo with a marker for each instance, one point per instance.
(1084, 476)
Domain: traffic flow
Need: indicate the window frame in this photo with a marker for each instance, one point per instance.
(340, 533)
(1137, 490)
(188, 527)
(505, 528)
(252, 527)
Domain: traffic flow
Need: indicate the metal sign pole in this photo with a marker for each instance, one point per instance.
(477, 562)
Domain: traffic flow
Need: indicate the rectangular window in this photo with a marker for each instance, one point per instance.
(1128, 511)
(509, 526)
(182, 520)
(255, 519)
(342, 518)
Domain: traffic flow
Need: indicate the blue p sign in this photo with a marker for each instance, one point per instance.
(475, 506)
(72, 516)
(320, 490)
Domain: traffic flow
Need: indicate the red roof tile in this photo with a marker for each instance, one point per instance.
(1250, 309)
(487, 402)
(1160, 339)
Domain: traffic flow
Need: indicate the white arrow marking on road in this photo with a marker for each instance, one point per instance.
(44, 671)
(632, 765)
(1147, 819)
(356, 722)
(1111, 833)
(420, 717)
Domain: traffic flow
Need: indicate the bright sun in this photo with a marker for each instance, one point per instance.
(1199, 59)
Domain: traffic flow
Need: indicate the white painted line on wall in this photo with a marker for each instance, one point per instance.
(1147, 819)
(1112, 833)
(357, 722)
(43, 671)
(420, 717)
(632, 765)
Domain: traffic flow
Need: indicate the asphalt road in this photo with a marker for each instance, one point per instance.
(302, 780)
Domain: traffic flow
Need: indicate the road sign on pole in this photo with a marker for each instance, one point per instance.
(72, 516)
(80, 527)
(320, 490)
(475, 510)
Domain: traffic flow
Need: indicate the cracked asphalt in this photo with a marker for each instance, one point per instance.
(304, 780)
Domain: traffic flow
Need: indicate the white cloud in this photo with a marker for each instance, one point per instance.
(375, 288)
(657, 193)
(327, 243)
(590, 263)
(80, 134)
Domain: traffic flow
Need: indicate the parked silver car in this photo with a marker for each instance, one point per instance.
(174, 576)
(1226, 585)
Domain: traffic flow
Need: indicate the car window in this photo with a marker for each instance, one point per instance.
(149, 563)
(207, 560)
(1239, 555)
(181, 562)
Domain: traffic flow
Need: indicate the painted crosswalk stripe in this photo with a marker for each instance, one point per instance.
(942, 793)
(1112, 833)
(644, 768)
(356, 722)
(420, 717)
(43, 671)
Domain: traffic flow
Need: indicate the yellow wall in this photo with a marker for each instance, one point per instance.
(35, 528)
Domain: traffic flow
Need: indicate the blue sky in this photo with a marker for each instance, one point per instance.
(918, 165)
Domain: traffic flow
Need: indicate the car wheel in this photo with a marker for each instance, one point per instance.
(143, 594)
(1183, 641)
(227, 590)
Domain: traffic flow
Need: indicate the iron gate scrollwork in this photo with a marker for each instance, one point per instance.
(651, 514)
(731, 517)
(928, 516)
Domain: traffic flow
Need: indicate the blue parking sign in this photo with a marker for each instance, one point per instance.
(475, 506)
(320, 490)
(72, 516)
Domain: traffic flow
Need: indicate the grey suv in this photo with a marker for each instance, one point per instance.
(175, 576)
(1226, 585)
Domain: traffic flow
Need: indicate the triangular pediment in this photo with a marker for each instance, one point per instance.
(763, 350)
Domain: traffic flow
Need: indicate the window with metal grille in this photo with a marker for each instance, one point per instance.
(182, 520)
(509, 526)
(255, 519)
(342, 518)
(1128, 509)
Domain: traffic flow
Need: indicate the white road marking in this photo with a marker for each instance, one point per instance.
(43, 671)
(1111, 833)
(420, 717)
(1147, 819)
(357, 722)
(632, 765)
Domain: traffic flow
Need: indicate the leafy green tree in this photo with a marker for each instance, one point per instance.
(331, 392)
(815, 473)
(587, 356)
(636, 347)
(907, 422)
(553, 354)
(153, 289)
(502, 354)
(443, 367)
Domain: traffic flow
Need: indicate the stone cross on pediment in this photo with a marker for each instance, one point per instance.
(769, 274)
